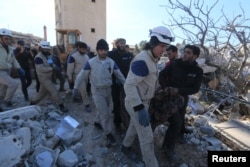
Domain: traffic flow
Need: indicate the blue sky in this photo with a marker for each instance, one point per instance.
(130, 19)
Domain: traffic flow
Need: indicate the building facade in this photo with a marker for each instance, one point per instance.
(88, 16)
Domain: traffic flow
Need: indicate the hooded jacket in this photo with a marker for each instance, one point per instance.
(185, 76)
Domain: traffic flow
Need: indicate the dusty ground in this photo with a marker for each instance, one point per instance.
(102, 155)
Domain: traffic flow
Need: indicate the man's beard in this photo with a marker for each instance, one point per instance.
(120, 49)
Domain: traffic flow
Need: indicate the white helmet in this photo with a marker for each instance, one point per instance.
(5, 32)
(162, 34)
(44, 45)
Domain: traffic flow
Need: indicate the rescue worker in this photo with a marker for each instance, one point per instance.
(99, 71)
(24, 58)
(44, 67)
(140, 87)
(8, 85)
(76, 62)
(75, 49)
(122, 59)
(184, 77)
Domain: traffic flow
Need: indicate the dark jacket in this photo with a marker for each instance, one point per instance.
(122, 60)
(182, 75)
(24, 58)
(56, 61)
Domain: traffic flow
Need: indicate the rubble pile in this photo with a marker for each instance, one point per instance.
(38, 136)
(32, 137)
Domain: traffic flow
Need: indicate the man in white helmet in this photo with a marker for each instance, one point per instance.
(140, 87)
(8, 85)
(44, 67)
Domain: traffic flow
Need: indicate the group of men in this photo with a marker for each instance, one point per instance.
(118, 81)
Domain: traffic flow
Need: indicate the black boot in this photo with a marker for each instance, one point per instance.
(62, 108)
(87, 108)
(32, 103)
(171, 155)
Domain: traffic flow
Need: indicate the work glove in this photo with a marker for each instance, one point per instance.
(75, 93)
(143, 117)
(50, 61)
(21, 72)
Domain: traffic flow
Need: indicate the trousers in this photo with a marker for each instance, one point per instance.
(145, 135)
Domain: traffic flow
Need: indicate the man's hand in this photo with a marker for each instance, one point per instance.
(21, 72)
(50, 61)
(143, 117)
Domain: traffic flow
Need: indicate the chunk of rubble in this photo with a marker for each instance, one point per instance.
(67, 159)
(43, 156)
(24, 135)
(44, 159)
(11, 150)
(208, 130)
(196, 106)
(78, 149)
(200, 121)
(23, 113)
(216, 143)
(67, 131)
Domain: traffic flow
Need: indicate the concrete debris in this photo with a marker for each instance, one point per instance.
(23, 113)
(68, 132)
(216, 143)
(27, 130)
(196, 106)
(24, 135)
(67, 159)
(13, 146)
(43, 136)
(207, 130)
(200, 121)
(195, 141)
(44, 159)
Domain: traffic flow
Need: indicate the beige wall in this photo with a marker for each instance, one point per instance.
(82, 15)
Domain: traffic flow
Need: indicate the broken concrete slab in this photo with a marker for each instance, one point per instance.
(67, 131)
(233, 134)
(44, 159)
(67, 159)
(24, 135)
(43, 156)
(11, 151)
(216, 143)
(23, 113)
(207, 130)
